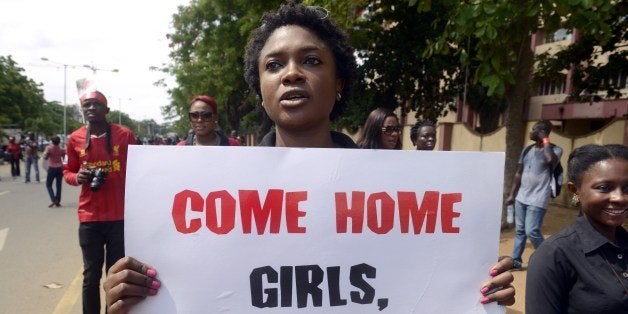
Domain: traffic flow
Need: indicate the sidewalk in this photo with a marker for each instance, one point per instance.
(556, 218)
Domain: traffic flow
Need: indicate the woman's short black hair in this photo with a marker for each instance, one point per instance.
(582, 158)
(414, 131)
(316, 20)
(545, 126)
(55, 140)
(370, 137)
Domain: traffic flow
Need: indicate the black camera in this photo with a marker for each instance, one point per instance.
(99, 175)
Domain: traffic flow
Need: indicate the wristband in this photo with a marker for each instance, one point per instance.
(546, 140)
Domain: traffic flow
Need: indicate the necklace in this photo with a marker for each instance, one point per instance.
(615, 273)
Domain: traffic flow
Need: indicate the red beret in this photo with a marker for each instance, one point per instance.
(98, 96)
(208, 100)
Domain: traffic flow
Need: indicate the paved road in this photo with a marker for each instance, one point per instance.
(38, 247)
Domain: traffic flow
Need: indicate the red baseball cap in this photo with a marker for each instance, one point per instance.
(94, 95)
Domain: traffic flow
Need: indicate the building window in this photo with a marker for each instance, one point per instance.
(551, 88)
(618, 82)
(559, 35)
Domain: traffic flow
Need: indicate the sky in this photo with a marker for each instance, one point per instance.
(129, 36)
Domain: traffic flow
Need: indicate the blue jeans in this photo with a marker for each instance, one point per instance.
(528, 221)
(54, 173)
(31, 161)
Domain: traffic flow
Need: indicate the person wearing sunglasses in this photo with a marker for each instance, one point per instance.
(423, 135)
(203, 118)
(301, 66)
(381, 130)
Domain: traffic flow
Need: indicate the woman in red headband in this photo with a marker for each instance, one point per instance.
(203, 117)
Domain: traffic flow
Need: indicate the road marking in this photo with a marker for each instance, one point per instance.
(4, 192)
(3, 237)
(71, 295)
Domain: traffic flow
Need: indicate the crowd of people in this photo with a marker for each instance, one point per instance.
(301, 67)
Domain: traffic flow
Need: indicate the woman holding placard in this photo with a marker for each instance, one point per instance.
(301, 66)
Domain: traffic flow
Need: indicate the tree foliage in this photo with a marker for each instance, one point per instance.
(207, 58)
(413, 59)
(396, 68)
(589, 76)
(23, 107)
(502, 29)
(501, 35)
(20, 97)
(391, 40)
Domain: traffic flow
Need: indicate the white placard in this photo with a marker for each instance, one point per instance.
(259, 230)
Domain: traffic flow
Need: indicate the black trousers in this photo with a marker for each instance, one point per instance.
(15, 167)
(100, 242)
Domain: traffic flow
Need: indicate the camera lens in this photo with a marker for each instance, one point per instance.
(98, 178)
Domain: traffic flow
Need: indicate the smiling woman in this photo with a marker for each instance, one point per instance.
(582, 268)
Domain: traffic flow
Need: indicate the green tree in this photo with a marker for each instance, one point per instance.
(501, 36)
(116, 116)
(589, 77)
(51, 121)
(20, 97)
(391, 40)
(208, 48)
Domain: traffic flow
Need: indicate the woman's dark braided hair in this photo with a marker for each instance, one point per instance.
(316, 20)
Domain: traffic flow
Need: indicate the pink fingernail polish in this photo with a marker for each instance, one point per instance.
(151, 272)
(155, 284)
(485, 300)
(484, 290)
(494, 272)
(154, 292)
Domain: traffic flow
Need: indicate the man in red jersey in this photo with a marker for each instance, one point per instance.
(97, 154)
(15, 153)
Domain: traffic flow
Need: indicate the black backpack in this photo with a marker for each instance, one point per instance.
(556, 181)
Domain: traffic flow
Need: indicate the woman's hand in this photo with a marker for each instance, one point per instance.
(499, 287)
(128, 282)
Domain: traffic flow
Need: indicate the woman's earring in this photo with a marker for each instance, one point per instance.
(575, 200)
(262, 104)
(339, 96)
